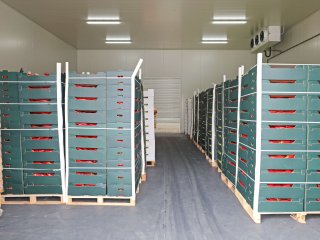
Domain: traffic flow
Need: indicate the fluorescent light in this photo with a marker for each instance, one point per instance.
(118, 42)
(229, 21)
(103, 22)
(213, 42)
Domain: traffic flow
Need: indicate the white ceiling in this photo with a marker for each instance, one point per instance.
(161, 24)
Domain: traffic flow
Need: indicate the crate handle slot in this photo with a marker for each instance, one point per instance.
(282, 156)
(282, 111)
(232, 163)
(244, 135)
(6, 115)
(119, 115)
(84, 185)
(42, 150)
(120, 102)
(120, 165)
(281, 171)
(243, 148)
(233, 132)
(243, 173)
(86, 149)
(119, 153)
(282, 141)
(85, 124)
(41, 125)
(120, 76)
(120, 89)
(7, 165)
(41, 138)
(40, 113)
(244, 123)
(39, 87)
(86, 111)
(86, 161)
(5, 77)
(232, 142)
(86, 98)
(282, 96)
(43, 162)
(120, 140)
(279, 199)
(280, 185)
(86, 136)
(40, 100)
(86, 86)
(282, 126)
(43, 174)
(243, 160)
(87, 173)
(233, 153)
(120, 177)
(242, 184)
(7, 176)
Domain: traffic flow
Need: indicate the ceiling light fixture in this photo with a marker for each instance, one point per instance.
(103, 22)
(214, 42)
(229, 22)
(118, 42)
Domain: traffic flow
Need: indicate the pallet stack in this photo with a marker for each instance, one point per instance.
(219, 124)
(279, 136)
(209, 124)
(195, 128)
(104, 135)
(149, 127)
(31, 137)
(230, 111)
(202, 120)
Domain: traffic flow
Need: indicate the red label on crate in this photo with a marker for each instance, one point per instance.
(84, 136)
(40, 113)
(281, 141)
(282, 111)
(41, 138)
(86, 161)
(86, 149)
(42, 150)
(87, 173)
(82, 124)
(86, 98)
(282, 96)
(282, 156)
(279, 199)
(5, 77)
(39, 87)
(40, 100)
(85, 111)
(280, 185)
(86, 86)
(43, 162)
(284, 171)
(282, 126)
(43, 174)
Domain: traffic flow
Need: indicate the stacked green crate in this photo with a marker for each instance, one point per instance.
(229, 158)
(195, 131)
(29, 134)
(313, 142)
(202, 119)
(209, 125)
(102, 134)
(274, 139)
(218, 105)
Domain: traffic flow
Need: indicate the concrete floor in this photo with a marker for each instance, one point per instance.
(183, 198)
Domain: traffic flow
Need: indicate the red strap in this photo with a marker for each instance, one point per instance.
(41, 113)
(87, 161)
(87, 173)
(280, 170)
(282, 156)
(41, 125)
(86, 86)
(279, 199)
(43, 162)
(85, 124)
(282, 96)
(280, 185)
(84, 185)
(41, 138)
(38, 87)
(43, 174)
(85, 111)
(283, 81)
(86, 149)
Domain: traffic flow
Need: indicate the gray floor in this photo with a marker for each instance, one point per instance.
(182, 199)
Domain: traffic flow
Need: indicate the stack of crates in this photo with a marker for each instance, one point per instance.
(230, 111)
(209, 114)
(218, 105)
(31, 154)
(195, 131)
(202, 120)
(100, 158)
(279, 133)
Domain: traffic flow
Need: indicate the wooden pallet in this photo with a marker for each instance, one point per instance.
(211, 162)
(151, 163)
(228, 183)
(32, 199)
(100, 201)
(144, 177)
(219, 170)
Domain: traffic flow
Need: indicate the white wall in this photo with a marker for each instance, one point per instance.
(195, 68)
(25, 44)
(308, 52)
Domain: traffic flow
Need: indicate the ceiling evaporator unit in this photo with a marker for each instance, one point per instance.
(265, 38)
